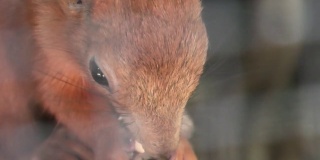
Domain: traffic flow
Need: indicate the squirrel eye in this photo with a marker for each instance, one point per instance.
(97, 74)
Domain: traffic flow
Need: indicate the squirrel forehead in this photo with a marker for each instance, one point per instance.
(159, 8)
(150, 47)
(144, 22)
(146, 6)
(149, 34)
(157, 29)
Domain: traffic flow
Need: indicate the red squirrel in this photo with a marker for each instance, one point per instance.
(116, 75)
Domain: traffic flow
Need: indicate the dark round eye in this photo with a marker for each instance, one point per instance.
(97, 74)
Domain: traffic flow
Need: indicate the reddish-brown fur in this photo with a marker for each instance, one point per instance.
(151, 51)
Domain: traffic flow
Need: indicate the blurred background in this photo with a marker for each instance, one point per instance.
(259, 97)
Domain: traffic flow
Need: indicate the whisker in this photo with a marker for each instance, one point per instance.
(213, 67)
(58, 78)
